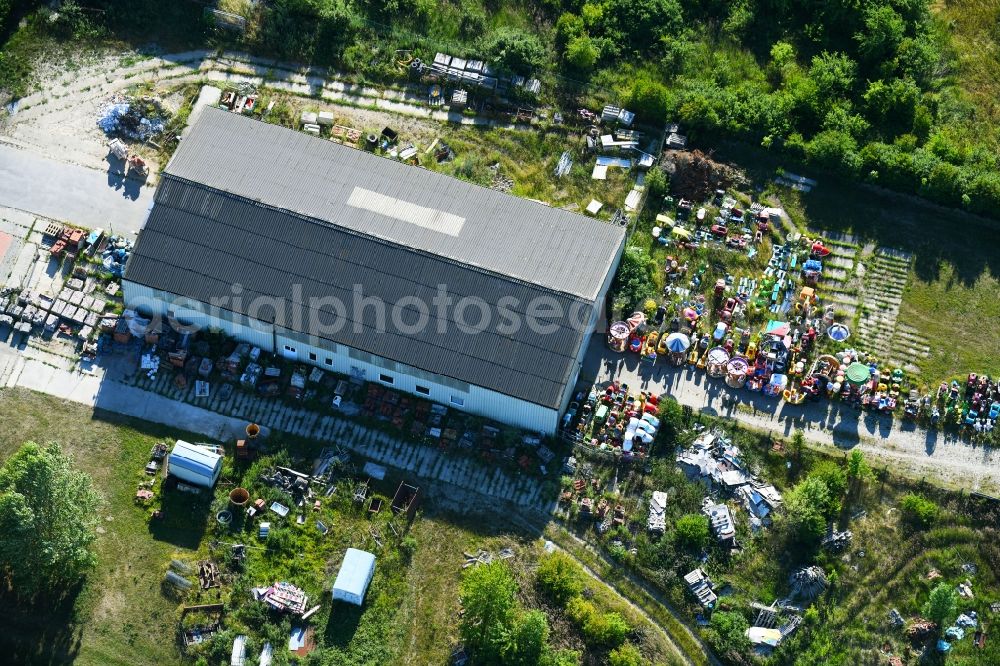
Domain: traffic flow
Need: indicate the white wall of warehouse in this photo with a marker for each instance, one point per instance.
(342, 359)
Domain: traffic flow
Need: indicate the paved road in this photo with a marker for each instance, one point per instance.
(71, 193)
(900, 443)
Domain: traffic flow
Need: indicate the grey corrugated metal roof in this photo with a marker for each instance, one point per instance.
(198, 242)
(552, 248)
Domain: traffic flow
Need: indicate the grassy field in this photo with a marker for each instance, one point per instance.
(123, 614)
(972, 25)
(530, 157)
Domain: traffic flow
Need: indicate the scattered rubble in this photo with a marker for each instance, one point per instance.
(138, 119)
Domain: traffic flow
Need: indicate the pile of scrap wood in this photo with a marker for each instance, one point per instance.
(208, 574)
(473, 559)
(283, 597)
(695, 175)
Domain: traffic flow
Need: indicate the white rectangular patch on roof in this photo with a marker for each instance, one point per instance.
(405, 211)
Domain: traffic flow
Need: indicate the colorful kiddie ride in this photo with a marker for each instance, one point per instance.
(622, 334)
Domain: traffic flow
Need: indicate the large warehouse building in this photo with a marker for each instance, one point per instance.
(362, 265)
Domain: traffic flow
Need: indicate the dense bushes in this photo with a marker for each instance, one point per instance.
(513, 49)
(559, 577)
(494, 627)
(691, 531)
(919, 511)
(604, 629)
(813, 503)
(633, 283)
(728, 632)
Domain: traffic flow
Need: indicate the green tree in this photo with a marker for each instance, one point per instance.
(671, 416)
(639, 23)
(581, 53)
(48, 518)
(473, 21)
(858, 472)
(560, 577)
(892, 104)
(857, 466)
(527, 640)
(942, 604)
(568, 27)
(514, 49)
(834, 150)
(882, 33)
(730, 632)
(656, 183)
(626, 655)
(692, 531)
(835, 478)
(649, 99)
(833, 74)
(804, 510)
(487, 594)
(918, 510)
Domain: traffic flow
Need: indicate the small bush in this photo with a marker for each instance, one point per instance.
(407, 547)
(692, 531)
(559, 577)
(601, 629)
(918, 510)
(626, 655)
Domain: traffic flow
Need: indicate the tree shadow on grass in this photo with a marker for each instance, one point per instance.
(40, 632)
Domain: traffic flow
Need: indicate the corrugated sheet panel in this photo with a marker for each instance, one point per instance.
(281, 168)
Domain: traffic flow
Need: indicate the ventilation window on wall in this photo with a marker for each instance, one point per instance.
(328, 361)
(312, 356)
(455, 400)
(423, 390)
(385, 378)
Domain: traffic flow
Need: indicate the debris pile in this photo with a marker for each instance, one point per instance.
(695, 175)
(208, 574)
(837, 541)
(920, 629)
(283, 597)
(701, 587)
(137, 119)
(807, 583)
(499, 181)
(116, 254)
